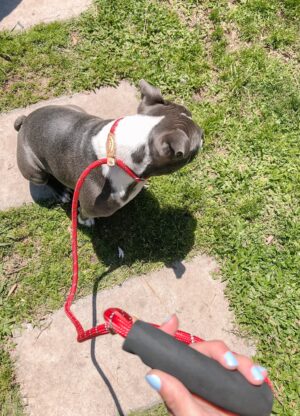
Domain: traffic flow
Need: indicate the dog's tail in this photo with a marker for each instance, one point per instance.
(18, 123)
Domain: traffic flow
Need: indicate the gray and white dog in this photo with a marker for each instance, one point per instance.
(56, 143)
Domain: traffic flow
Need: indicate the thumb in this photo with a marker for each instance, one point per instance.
(177, 398)
(170, 325)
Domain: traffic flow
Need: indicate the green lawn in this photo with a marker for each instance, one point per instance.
(236, 66)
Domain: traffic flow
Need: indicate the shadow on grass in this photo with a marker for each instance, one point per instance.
(145, 232)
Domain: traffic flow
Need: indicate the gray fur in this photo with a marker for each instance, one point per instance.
(56, 142)
(177, 138)
(139, 155)
(18, 122)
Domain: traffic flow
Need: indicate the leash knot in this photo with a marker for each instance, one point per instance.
(117, 321)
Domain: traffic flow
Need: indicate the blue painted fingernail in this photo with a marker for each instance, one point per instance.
(167, 320)
(262, 369)
(154, 381)
(230, 359)
(257, 374)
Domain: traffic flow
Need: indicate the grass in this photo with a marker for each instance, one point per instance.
(236, 67)
(273, 24)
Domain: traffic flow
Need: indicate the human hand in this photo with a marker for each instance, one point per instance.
(179, 401)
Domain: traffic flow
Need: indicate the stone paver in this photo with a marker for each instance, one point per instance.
(21, 14)
(56, 374)
(105, 102)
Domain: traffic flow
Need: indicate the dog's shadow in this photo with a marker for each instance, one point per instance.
(142, 231)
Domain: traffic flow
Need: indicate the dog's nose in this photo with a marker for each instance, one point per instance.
(179, 155)
(179, 144)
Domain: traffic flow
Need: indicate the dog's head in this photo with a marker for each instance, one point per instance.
(175, 140)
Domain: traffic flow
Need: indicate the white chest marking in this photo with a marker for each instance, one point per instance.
(132, 133)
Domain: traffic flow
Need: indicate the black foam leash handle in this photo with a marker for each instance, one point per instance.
(201, 375)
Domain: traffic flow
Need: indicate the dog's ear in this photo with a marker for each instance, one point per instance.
(174, 145)
(150, 96)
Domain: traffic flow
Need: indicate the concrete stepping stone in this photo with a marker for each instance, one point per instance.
(21, 14)
(106, 102)
(59, 376)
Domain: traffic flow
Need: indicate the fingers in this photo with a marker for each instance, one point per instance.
(178, 400)
(254, 373)
(170, 326)
(176, 397)
(219, 351)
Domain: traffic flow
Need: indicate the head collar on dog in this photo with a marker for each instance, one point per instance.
(111, 143)
(111, 159)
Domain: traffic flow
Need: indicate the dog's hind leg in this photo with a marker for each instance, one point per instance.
(35, 174)
(33, 170)
(28, 163)
(30, 166)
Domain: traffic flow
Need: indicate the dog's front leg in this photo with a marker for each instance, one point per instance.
(83, 218)
(96, 201)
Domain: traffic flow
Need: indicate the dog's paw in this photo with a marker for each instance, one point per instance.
(88, 222)
(63, 196)
(66, 196)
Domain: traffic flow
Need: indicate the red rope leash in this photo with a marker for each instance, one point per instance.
(116, 320)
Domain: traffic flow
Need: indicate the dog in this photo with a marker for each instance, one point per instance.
(56, 143)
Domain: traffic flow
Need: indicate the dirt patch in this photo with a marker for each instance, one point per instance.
(9, 278)
(205, 94)
(193, 16)
(13, 264)
(287, 57)
(11, 82)
(232, 36)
